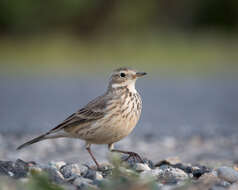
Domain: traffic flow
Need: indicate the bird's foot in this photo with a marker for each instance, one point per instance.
(134, 156)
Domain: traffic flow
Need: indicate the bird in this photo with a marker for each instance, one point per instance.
(106, 119)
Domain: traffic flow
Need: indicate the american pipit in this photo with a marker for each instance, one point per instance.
(106, 119)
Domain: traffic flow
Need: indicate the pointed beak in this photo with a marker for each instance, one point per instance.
(140, 74)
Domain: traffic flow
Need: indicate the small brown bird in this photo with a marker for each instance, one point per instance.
(106, 119)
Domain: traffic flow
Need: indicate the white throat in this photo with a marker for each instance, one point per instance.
(130, 85)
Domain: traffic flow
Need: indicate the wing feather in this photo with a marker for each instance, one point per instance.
(92, 111)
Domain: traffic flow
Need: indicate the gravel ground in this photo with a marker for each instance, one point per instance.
(165, 175)
(193, 150)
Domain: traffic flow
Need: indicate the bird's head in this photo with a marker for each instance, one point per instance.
(124, 77)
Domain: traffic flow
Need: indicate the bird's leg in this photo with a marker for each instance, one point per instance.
(91, 154)
(130, 154)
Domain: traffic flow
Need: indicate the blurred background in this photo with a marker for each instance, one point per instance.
(55, 56)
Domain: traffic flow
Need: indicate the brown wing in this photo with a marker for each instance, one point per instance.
(92, 111)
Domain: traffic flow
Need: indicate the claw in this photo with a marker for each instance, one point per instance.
(135, 157)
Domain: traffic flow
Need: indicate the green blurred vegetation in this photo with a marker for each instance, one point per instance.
(88, 18)
(70, 36)
(65, 55)
(41, 181)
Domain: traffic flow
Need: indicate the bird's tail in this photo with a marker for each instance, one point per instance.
(35, 140)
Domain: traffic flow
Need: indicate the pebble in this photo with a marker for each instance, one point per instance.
(151, 174)
(227, 174)
(10, 174)
(54, 175)
(16, 169)
(70, 170)
(166, 176)
(93, 175)
(57, 165)
(172, 175)
(98, 176)
(141, 167)
(133, 162)
(82, 183)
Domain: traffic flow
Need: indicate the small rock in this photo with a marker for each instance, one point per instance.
(141, 167)
(185, 168)
(151, 174)
(57, 165)
(90, 174)
(98, 176)
(10, 174)
(93, 175)
(164, 167)
(70, 170)
(106, 169)
(228, 174)
(83, 183)
(16, 169)
(197, 173)
(132, 162)
(54, 175)
(172, 176)
(149, 163)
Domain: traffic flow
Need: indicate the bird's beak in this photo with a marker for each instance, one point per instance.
(140, 74)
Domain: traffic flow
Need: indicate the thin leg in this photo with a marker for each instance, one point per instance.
(91, 154)
(130, 154)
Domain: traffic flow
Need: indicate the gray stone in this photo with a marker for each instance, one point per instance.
(83, 183)
(54, 175)
(227, 174)
(151, 174)
(164, 167)
(93, 174)
(172, 175)
(70, 170)
(16, 169)
(90, 174)
(57, 165)
(141, 167)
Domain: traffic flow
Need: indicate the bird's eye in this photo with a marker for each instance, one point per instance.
(122, 75)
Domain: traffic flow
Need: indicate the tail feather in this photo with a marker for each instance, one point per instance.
(35, 140)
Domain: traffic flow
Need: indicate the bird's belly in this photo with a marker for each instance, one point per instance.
(107, 132)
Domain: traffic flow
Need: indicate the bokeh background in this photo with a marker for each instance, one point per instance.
(55, 56)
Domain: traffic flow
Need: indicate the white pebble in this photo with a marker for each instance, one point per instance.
(142, 167)
(10, 174)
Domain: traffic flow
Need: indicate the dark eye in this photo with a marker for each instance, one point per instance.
(122, 75)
